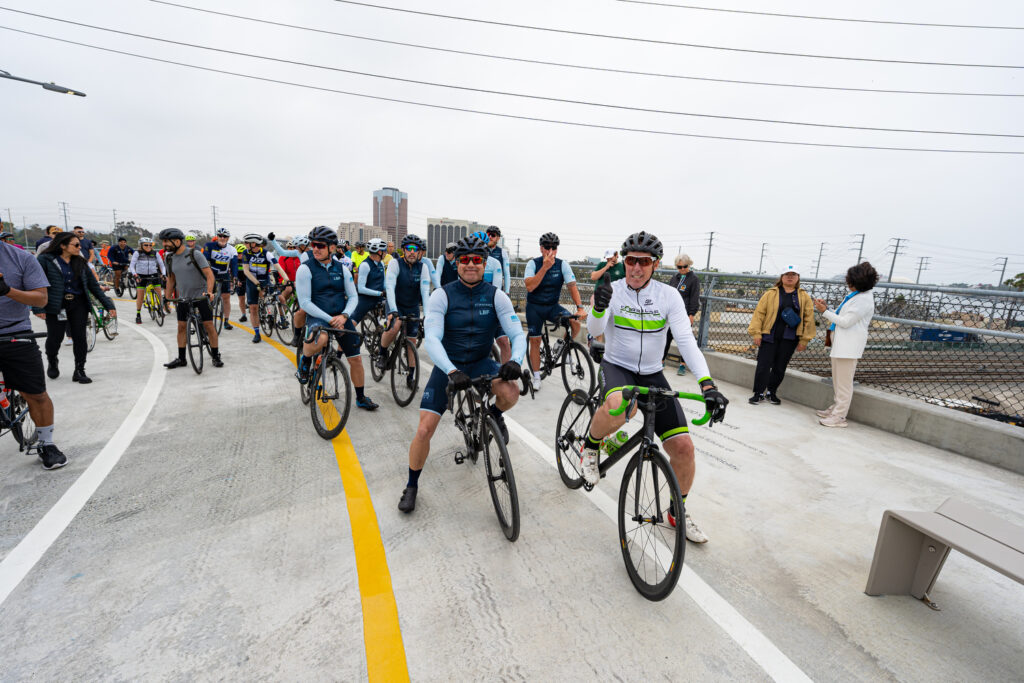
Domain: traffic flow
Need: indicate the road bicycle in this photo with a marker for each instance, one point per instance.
(217, 305)
(196, 338)
(404, 366)
(328, 391)
(372, 325)
(100, 319)
(567, 354)
(652, 533)
(120, 281)
(155, 307)
(14, 414)
(481, 434)
(273, 315)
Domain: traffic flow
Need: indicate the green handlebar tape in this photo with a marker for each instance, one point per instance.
(643, 390)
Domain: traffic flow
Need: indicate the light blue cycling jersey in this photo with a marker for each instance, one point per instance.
(304, 290)
(433, 276)
(493, 274)
(500, 254)
(472, 324)
(391, 282)
(366, 276)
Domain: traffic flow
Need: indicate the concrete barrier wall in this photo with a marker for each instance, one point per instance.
(971, 435)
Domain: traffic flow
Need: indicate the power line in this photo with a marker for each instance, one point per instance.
(503, 93)
(628, 72)
(518, 117)
(674, 43)
(806, 16)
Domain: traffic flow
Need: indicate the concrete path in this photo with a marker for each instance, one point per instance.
(220, 545)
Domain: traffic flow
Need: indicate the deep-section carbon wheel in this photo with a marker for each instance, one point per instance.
(500, 479)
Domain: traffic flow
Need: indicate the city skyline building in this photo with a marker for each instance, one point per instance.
(441, 231)
(361, 232)
(391, 212)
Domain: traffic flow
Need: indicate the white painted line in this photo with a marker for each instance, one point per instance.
(20, 561)
(770, 658)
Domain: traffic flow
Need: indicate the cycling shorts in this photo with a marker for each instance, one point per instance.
(537, 314)
(21, 364)
(365, 305)
(224, 285)
(669, 421)
(205, 312)
(240, 285)
(350, 343)
(252, 292)
(146, 280)
(435, 395)
(413, 330)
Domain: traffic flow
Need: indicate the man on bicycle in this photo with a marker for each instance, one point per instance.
(407, 283)
(328, 296)
(147, 267)
(290, 257)
(500, 254)
(120, 257)
(370, 280)
(635, 315)
(544, 277)
(459, 329)
(23, 284)
(257, 263)
(223, 259)
(189, 276)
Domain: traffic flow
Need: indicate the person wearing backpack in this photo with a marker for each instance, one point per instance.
(189, 276)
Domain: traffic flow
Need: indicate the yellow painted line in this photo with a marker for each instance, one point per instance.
(382, 635)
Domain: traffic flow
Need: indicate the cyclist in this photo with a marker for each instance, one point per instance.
(294, 255)
(23, 283)
(120, 257)
(190, 241)
(189, 274)
(544, 277)
(407, 283)
(500, 254)
(147, 267)
(358, 256)
(460, 325)
(256, 265)
(635, 314)
(223, 259)
(240, 281)
(445, 271)
(370, 280)
(328, 296)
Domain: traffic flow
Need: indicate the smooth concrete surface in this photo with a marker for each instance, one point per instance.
(220, 546)
(962, 433)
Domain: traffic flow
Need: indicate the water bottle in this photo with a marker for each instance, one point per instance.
(4, 403)
(556, 348)
(614, 441)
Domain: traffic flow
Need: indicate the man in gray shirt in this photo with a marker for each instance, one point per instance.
(189, 276)
(22, 284)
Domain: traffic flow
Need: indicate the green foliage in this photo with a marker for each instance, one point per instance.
(1016, 282)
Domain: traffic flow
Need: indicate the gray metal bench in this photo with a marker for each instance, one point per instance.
(912, 547)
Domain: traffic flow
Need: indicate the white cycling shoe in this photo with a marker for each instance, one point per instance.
(693, 532)
(588, 465)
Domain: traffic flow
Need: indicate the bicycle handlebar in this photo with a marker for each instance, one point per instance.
(22, 337)
(630, 392)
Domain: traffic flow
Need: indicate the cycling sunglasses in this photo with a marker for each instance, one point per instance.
(318, 245)
(412, 247)
(639, 260)
(475, 259)
(548, 245)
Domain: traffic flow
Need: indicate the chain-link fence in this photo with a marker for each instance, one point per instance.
(957, 348)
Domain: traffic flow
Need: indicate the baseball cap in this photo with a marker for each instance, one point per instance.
(789, 269)
(608, 253)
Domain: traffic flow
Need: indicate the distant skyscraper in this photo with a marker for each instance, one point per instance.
(391, 212)
(441, 231)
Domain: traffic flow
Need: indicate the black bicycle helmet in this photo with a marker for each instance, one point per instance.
(471, 245)
(6, 235)
(414, 240)
(549, 240)
(322, 233)
(494, 230)
(643, 241)
(171, 234)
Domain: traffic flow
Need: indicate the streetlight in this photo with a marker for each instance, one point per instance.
(48, 86)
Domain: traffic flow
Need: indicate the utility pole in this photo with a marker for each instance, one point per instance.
(817, 267)
(64, 208)
(517, 249)
(1006, 259)
(214, 219)
(764, 246)
(24, 230)
(711, 242)
(860, 248)
(895, 252)
(9, 219)
(113, 229)
(922, 264)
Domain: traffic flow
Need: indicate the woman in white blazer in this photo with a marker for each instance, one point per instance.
(848, 325)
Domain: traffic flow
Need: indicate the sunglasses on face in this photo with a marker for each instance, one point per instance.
(318, 245)
(74, 245)
(412, 247)
(682, 267)
(552, 247)
(639, 261)
(474, 259)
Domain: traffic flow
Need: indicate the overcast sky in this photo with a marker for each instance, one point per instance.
(162, 143)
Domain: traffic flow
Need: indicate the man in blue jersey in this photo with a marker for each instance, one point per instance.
(460, 324)
(223, 260)
(370, 280)
(120, 256)
(407, 284)
(257, 263)
(544, 277)
(445, 271)
(500, 254)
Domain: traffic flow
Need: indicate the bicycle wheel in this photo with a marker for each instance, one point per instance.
(304, 389)
(651, 548)
(578, 369)
(130, 286)
(119, 287)
(374, 350)
(282, 314)
(570, 434)
(158, 310)
(332, 398)
(24, 430)
(500, 479)
(148, 299)
(109, 327)
(218, 313)
(405, 378)
(195, 346)
(90, 330)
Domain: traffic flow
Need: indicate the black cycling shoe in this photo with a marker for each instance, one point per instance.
(227, 326)
(500, 419)
(256, 339)
(410, 379)
(755, 399)
(302, 376)
(52, 457)
(408, 502)
(176, 363)
(773, 399)
(366, 403)
(52, 371)
(243, 319)
(217, 362)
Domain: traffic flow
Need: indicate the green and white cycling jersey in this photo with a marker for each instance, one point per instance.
(635, 326)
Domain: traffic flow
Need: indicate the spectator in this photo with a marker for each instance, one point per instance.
(610, 265)
(389, 253)
(688, 284)
(67, 308)
(51, 231)
(783, 322)
(8, 237)
(104, 249)
(88, 249)
(848, 335)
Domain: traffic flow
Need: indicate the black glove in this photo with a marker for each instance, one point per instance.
(714, 401)
(4, 287)
(603, 294)
(458, 380)
(511, 372)
(270, 236)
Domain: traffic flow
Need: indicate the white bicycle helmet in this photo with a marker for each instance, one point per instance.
(377, 246)
(301, 241)
(254, 237)
(223, 232)
(145, 240)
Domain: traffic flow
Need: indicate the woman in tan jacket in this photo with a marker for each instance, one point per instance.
(783, 322)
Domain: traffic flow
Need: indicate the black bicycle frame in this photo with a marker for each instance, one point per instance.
(644, 436)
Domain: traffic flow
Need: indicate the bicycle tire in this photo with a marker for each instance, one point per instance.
(147, 299)
(401, 371)
(651, 549)
(160, 314)
(282, 314)
(90, 330)
(578, 369)
(329, 417)
(195, 345)
(24, 430)
(374, 350)
(570, 433)
(110, 327)
(218, 313)
(501, 479)
(130, 286)
(304, 389)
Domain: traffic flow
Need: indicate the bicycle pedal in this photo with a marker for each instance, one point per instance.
(460, 457)
(588, 486)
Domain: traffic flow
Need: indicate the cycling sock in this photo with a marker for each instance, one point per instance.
(359, 393)
(46, 435)
(181, 353)
(304, 361)
(256, 329)
(215, 352)
(495, 411)
(592, 442)
(414, 478)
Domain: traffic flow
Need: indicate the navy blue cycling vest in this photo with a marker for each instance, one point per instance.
(375, 280)
(550, 288)
(496, 253)
(407, 289)
(327, 286)
(448, 272)
(470, 322)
